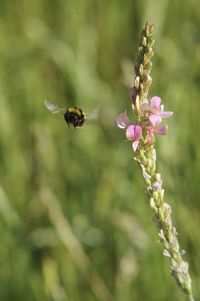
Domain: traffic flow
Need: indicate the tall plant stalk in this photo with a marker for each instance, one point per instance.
(141, 133)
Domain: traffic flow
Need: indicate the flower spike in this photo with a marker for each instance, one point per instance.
(141, 132)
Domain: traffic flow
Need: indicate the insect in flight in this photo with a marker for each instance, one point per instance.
(73, 115)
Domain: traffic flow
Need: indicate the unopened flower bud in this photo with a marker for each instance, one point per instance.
(137, 82)
(144, 41)
(132, 94)
(158, 177)
(137, 105)
(156, 186)
(141, 68)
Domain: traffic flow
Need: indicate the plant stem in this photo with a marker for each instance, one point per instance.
(146, 158)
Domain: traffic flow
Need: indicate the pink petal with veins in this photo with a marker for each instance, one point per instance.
(133, 132)
(155, 119)
(155, 102)
(164, 115)
(155, 105)
(122, 121)
(130, 132)
(138, 132)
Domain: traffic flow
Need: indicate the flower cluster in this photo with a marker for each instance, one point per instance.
(151, 116)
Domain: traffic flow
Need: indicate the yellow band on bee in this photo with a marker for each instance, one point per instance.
(75, 110)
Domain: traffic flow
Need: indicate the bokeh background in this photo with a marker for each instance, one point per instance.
(74, 219)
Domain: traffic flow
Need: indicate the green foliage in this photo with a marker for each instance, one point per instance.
(81, 53)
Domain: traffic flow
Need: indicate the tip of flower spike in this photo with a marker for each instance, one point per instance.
(149, 28)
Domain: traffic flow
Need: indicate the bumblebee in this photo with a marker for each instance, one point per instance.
(72, 115)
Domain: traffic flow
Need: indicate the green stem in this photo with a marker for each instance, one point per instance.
(191, 298)
(146, 157)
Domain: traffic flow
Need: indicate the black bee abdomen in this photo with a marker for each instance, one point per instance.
(75, 117)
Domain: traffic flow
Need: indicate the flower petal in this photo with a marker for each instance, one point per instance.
(155, 119)
(155, 103)
(122, 121)
(134, 132)
(165, 114)
(137, 132)
(150, 137)
(161, 130)
(145, 106)
(130, 132)
(135, 145)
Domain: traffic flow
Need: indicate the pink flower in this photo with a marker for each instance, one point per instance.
(152, 113)
(133, 131)
(155, 111)
(122, 121)
(159, 130)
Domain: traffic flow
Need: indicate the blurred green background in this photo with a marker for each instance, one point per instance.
(74, 220)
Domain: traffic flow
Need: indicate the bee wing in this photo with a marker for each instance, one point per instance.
(53, 108)
(93, 115)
